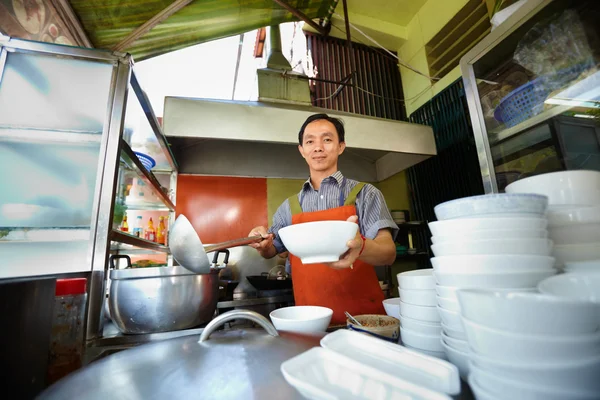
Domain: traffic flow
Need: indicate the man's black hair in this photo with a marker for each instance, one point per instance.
(339, 126)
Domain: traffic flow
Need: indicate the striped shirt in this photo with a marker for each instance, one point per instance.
(371, 208)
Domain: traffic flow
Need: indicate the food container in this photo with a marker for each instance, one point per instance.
(380, 326)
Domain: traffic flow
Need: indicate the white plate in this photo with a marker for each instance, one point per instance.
(323, 374)
(396, 360)
(515, 205)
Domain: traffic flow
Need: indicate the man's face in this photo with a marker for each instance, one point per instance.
(321, 146)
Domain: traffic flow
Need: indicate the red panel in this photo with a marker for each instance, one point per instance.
(222, 208)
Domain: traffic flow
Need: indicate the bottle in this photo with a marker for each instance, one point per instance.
(124, 224)
(137, 230)
(160, 232)
(150, 231)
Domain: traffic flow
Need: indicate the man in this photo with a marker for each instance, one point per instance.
(351, 283)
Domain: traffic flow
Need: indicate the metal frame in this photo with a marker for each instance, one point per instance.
(487, 44)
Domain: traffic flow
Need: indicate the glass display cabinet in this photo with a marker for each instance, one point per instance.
(80, 150)
(533, 89)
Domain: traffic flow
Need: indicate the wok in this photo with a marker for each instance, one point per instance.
(262, 282)
(187, 248)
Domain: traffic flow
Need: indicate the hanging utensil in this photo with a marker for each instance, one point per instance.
(187, 248)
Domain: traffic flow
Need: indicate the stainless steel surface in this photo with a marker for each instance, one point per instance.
(519, 17)
(148, 177)
(113, 337)
(258, 301)
(160, 299)
(105, 189)
(122, 237)
(237, 314)
(233, 364)
(77, 52)
(207, 119)
(2, 62)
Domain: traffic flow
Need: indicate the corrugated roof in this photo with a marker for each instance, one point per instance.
(108, 22)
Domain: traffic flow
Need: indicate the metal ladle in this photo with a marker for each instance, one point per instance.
(352, 319)
(187, 248)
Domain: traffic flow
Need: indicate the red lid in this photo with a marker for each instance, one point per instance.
(65, 287)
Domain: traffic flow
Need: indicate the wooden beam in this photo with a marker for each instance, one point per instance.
(66, 13)
(151, 23)
(302, 16)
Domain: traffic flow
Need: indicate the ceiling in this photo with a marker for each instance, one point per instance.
(398, 12)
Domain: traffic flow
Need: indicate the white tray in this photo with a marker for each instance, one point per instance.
(396, 360)
(322, 374)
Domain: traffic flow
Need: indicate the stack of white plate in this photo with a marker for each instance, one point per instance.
(529, 345)
(492, 241)
(420, 327)
(573, 215)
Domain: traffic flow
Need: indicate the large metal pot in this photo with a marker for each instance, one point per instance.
(226, 364)
(161, 299)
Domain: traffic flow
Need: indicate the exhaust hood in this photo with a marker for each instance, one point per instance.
(260, 139)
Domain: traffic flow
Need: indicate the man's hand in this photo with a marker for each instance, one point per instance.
(354, 246)
(265, 247)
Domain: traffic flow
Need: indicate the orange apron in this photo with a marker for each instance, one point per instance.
(354, 290)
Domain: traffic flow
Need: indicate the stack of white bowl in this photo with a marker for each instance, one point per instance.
(529, 345)
(492, 241)
(420, 327)
(573, 215)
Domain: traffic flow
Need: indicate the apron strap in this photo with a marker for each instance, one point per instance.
(351, 199)
(295, 205)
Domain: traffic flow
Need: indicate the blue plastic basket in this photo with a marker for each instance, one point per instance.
(147, 161)
(522, 103)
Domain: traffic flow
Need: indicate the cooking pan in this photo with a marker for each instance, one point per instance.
(187, 248)
(262, 282)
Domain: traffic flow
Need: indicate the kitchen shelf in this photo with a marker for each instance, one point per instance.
(133, 164)
(125, 240)
(499, 135)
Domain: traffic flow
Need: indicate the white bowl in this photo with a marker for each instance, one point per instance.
(392, 307)
(586, 267)
(420, 313)
(451, 305)
(522, 348)
(454, 333)
(479, 392)
(575, 234)
(457, 344)
(421, 341)
(501, 280)
(574, 286)
(421, 279)
(504, 263)
(451, 319)
(437, 354)
(522, 390)
(560, 199)
(461, 226)
(447, 292)
(425, 297)
(301, 318)
(493, 234)
(581, 375)
(573, 216)
(541, 247)
(549, 183)
(460, 358)
(488, 205)
(318, 242)
(529, 313)
(426, 328)
(564, 253)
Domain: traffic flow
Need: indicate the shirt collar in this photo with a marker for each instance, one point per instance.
(337, 177)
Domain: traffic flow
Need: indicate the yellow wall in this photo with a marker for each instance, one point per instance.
(278, 190)
(428, 21)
